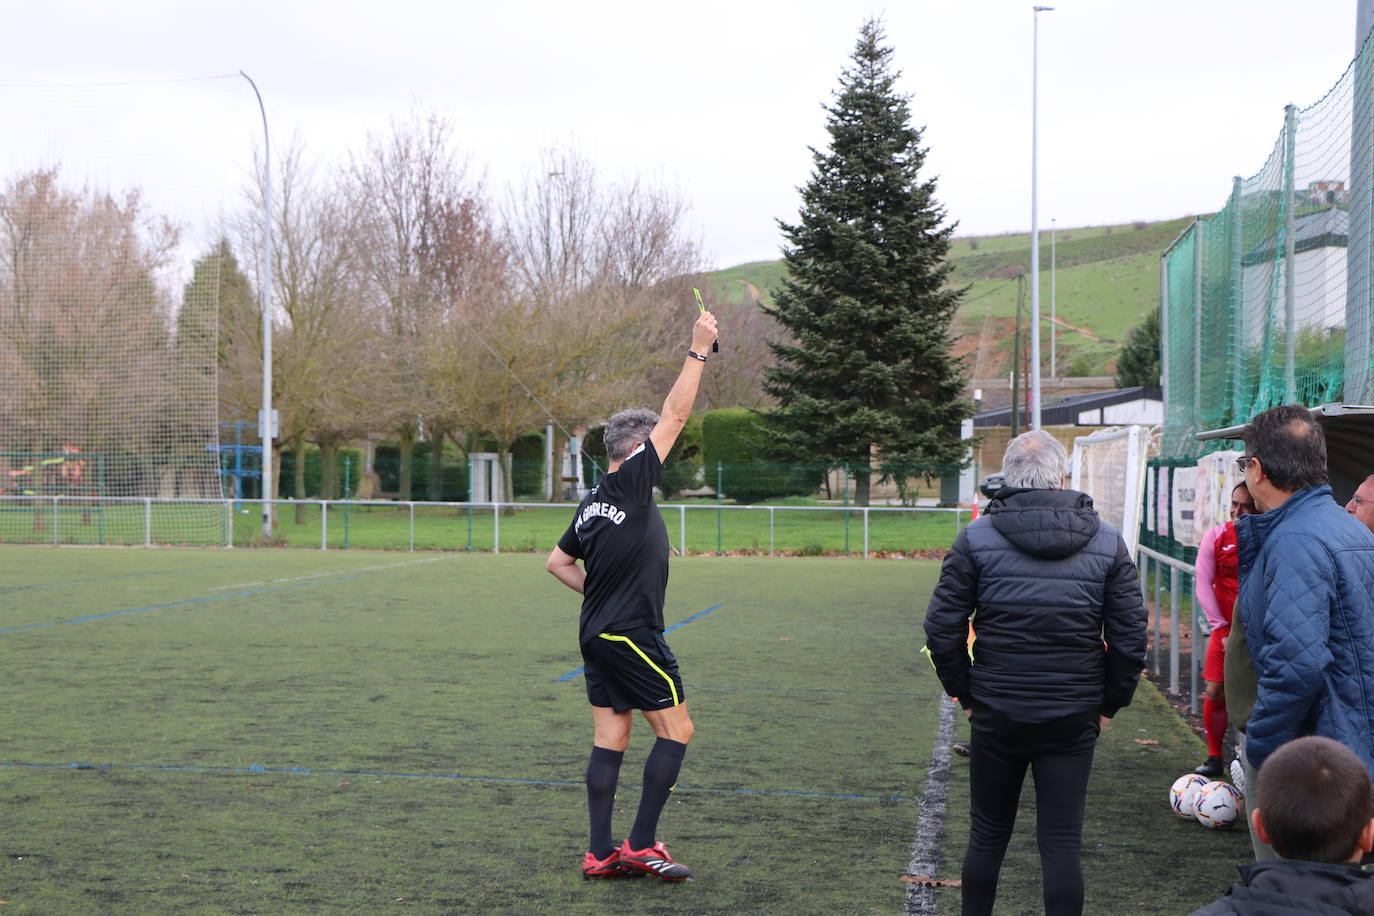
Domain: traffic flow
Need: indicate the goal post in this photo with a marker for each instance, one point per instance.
(1110, 467)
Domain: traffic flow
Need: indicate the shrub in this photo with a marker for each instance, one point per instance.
(735, 456)
(682, 466)
(313, 470)
(527, 465)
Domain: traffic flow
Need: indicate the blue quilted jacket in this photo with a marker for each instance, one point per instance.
(1306, 606)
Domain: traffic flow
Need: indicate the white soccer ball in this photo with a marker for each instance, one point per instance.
(1216, 804)
(1183, 793)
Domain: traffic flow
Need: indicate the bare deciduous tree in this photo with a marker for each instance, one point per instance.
(403, 188)
(611, 266)
(86, 344)
(326, 384)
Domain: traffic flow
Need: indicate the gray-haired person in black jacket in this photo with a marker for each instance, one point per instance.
(1060, 630)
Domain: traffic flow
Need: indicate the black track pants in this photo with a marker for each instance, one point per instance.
(1060, 756)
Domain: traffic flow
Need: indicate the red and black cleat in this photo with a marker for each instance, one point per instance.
(609, 867)
(652, 861)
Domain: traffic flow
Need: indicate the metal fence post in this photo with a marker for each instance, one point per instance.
(1173, 633)
(720, 467)
(324, 525)
(1159, 615)
(770, 531)
(865, 532)
(1290, 328)
(845, 485)
(412, 528)
(682, 531)
(495, 527)
(1193, 664)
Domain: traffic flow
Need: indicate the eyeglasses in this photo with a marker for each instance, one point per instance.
(1360, 501)
(1244, 461)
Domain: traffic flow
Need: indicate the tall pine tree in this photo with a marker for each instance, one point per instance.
(1138, 361)
(870, 370)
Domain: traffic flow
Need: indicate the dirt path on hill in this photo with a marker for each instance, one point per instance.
(753, 291)
(1084, 331)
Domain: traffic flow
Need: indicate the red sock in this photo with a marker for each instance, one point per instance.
(1214, 721)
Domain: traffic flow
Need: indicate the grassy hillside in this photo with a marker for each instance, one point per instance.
(752, 282)
(1106, 279)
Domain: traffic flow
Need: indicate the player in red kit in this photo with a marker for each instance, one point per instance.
(1217, 584)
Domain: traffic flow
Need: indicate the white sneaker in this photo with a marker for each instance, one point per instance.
(1238, 776)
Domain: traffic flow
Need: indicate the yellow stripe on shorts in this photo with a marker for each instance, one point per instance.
(648, 661)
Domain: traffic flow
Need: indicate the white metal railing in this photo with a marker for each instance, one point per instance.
(1146, 556)
(51, 507)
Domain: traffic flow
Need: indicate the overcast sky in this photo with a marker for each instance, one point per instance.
(1146, 109)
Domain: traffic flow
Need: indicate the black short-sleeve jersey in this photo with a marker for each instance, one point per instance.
(620, 537)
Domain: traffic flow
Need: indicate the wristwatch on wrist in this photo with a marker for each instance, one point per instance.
(695, 355)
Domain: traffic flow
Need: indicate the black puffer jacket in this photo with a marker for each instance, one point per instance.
(1289, 886)
(1046, 583)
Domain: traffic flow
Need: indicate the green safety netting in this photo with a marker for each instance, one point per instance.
(1267, 301)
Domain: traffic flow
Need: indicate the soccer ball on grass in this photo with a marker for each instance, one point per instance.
(1183, 794)
(1216, 804)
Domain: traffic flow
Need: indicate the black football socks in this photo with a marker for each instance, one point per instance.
(660, 775)
(603, 771)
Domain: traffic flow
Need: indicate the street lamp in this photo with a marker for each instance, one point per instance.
(1035, 224)
(267, 416)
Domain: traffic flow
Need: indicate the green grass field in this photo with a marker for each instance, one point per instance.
(250, 731)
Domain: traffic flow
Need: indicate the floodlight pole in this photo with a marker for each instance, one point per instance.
(1054, 324)
(1035, 222)
(266, 417)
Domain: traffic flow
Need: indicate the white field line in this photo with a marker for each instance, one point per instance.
(930, 826)
(326, 575)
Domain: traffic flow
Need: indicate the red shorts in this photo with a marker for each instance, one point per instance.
(1214, 669)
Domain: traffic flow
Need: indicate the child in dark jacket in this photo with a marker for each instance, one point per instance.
(1316, 809)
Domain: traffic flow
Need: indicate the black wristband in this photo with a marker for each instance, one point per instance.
(695, 355)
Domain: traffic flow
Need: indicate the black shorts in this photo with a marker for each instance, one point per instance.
(633, 669)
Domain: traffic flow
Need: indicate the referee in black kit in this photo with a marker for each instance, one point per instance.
(619, 536)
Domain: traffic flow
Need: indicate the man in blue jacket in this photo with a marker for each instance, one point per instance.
(1305, 662)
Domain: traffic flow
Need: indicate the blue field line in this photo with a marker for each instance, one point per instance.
(681, 623)
(134, 575)
(158, 607)
(451, 777)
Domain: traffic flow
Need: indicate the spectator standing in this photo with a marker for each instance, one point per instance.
(1361, 505)
(1304, 664)
(1216, 584)
(1049, 582)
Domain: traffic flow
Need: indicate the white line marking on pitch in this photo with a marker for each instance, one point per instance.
(326, 575)
(930, 826)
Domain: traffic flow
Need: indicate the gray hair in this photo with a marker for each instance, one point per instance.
(626, 431)
(1035, 460)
